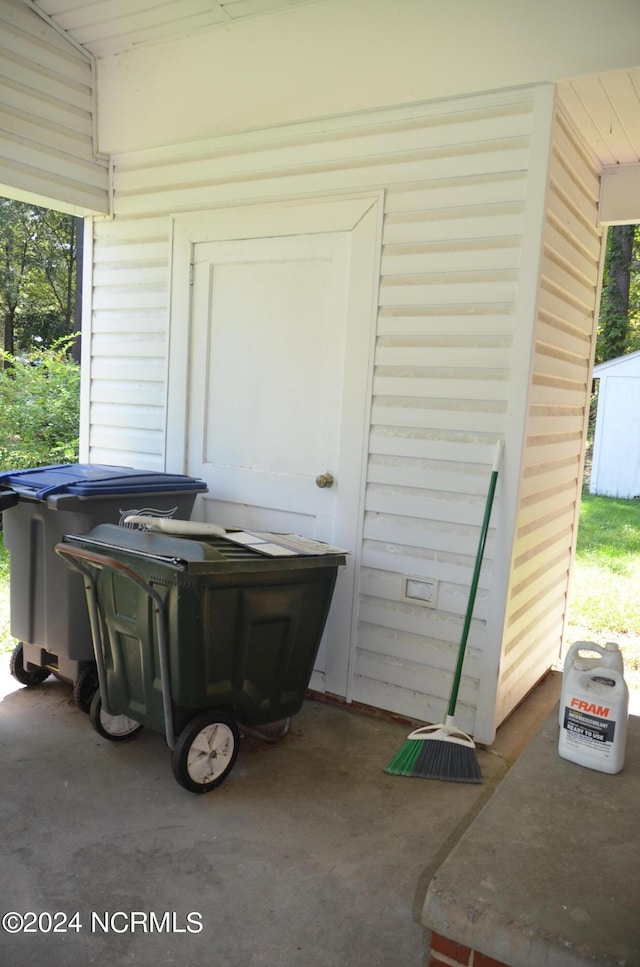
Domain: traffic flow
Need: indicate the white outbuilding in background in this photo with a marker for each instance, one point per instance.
(615, 470)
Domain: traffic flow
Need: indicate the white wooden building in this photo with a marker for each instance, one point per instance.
(359, 238)
(615, 467)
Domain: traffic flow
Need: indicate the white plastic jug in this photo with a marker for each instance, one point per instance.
(594, 714)
(608, 656)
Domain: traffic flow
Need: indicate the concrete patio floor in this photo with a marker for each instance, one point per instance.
(309, 854)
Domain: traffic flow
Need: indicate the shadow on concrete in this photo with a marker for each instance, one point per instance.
(309, 855)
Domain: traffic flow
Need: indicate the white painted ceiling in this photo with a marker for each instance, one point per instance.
(605, 108)
(112, 26)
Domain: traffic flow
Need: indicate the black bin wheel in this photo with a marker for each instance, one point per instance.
(85, 687)
(116, 728)
(206, 751)
(26, 674)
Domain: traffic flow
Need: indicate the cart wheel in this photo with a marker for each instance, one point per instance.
(29, 674)
(116, 728)
(85, 687)
(206, 751)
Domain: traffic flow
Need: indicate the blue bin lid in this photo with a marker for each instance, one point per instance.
(96, 480)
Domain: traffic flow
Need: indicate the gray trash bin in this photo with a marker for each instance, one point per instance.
(48, 606)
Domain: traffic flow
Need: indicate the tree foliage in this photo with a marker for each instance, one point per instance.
(619, 320)
(40, 406)
(38, 261)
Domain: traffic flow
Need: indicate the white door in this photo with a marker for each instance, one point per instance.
(276, 394)
(265, 394)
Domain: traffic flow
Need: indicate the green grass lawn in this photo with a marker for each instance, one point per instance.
(604, 604)
(606, 578)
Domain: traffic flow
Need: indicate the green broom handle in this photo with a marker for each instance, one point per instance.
(476, 577)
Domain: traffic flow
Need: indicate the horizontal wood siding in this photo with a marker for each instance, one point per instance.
(454, 178)
(449, 284)
(46, 116)
(129, 342)
(558, 410)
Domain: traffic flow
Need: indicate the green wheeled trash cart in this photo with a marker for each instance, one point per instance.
(196, 638)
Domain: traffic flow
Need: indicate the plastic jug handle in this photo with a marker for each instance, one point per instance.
(579, 646)
(603, 672)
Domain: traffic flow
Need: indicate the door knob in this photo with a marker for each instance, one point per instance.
(324, 480)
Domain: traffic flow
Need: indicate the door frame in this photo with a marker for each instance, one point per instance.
(359, 215)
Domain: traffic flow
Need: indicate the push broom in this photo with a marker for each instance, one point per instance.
(443, 751)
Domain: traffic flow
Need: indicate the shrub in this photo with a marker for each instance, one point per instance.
(40, 407)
